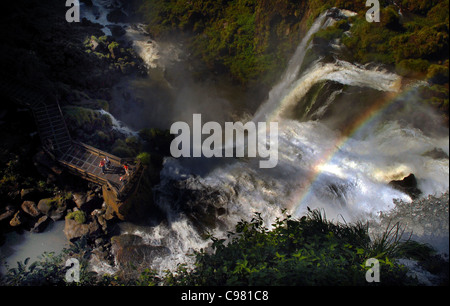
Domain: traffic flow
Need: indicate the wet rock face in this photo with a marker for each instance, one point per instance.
(202, 204)
(133, 255)
(30, 208)
(408, 185)
(74, 230)
(53, 208)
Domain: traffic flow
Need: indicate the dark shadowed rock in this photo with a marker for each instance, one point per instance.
(436, 153)
(116, 30)
(41, 224)
(30, 208)
(408, 185)
(18, 219)
(87, 201)
(116, 16)
(7, 213)
(74, 230)
(53, 207)
(132, 254)
(29, 194)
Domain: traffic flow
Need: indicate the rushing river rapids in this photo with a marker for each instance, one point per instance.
(346, 173)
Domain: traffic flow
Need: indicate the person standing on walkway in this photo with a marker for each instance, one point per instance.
(103, 166)
(127, 169)
(108, 163)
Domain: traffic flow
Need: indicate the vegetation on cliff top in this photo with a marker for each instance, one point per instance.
(250, 38)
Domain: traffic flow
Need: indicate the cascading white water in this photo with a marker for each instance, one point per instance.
(293, 66)
(118, 125)
(353, 181)
(316, 168)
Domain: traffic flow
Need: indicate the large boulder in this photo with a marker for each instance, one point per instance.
(55, 208)
(87, 201)
(133, 255)
(41, 224)
(8, 213)
(74, 230)
(116, 30)
(408, 185)
(116, 16)
(18, 219)
(45, 165)
(30, 208)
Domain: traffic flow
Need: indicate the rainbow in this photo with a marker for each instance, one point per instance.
(300, 196)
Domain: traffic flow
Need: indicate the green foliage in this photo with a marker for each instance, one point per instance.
(78, 215)
(438, 74)
(305, 252)
(249, 39)
(122, 149)
(236, 37)
(145, 158)
(157, 141)
(79, 116)
(50, 269)
(412, 67)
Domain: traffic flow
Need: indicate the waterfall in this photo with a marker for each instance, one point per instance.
(119, 126)
(293, 66)
(345, 175)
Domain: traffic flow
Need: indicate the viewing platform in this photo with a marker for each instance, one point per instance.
(78, 158)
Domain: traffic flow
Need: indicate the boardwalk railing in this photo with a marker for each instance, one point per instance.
(80, 159)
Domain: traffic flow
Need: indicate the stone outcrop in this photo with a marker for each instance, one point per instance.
(7, 214)
(30, 208)
(53, 208)
(41, 224)
(133, 255)
(74, 230)
(18, 219)
(87, 201)
(114, 206)
(408, 185)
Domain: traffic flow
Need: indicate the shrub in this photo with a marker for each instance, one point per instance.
(413, 67)
(145, 158)
(78, 215)
(309, 251)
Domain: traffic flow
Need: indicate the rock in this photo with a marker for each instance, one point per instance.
(114, 207)
(133, 255)
(116, 30)
(53, 207)
(436, 153)
(94, 44)
(116, 16)
(30, 208)
(18, 219)
(88, 2)
(8, 213)
(41, 224)
(87, 201)
(45, 205)
(29, 194)
(74, 230)
(408, 185)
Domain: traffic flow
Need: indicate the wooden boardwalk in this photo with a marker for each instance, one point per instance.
(78, 158)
